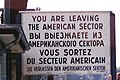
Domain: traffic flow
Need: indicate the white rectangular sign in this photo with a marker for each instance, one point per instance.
(66, 42)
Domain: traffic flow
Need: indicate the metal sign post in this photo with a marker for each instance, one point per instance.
(11, 10)
(7, 12)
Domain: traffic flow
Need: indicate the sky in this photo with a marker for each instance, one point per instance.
(81, 5)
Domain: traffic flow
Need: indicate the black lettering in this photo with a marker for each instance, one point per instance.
(65, 52)
(97, 35)
(40, 61)
(57, 18)
(91, 43)
(99, 68)
(57, 68)
(49, 52)
(30, 60)
(83, 18)
(51, 60)
(34, 35)
(33, 26)
(29, 69)
(91, 26)
(39, 18)
(77, 52)
(34, 17)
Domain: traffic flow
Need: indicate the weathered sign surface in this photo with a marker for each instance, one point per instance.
(67, 43)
